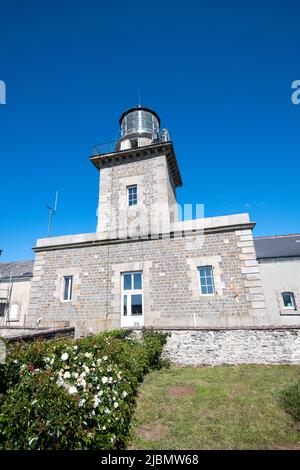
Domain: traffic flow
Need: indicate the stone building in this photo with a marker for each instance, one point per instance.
(15, 281)
(145, 265)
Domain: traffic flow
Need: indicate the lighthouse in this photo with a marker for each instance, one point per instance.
(138, 179)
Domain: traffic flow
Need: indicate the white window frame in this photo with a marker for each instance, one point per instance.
(129, 293)
(132, 186)
(70, 288)
(293, 307)
(18, 309)
(213, 281)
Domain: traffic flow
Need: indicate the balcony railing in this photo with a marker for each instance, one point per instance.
(105, 147)
(112, 146)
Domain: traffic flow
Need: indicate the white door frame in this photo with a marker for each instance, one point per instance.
(130, 320)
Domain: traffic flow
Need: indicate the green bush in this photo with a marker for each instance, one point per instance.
(34, 414)
(290, 399)
(66, 394)
(155, 342)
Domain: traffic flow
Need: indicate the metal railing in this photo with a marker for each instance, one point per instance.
(104, 147)
(113, 145)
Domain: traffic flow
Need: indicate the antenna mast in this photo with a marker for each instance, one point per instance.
(51, 213)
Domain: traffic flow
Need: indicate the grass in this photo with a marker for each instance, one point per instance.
(226, 407)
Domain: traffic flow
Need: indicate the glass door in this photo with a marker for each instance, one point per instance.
(132, 301)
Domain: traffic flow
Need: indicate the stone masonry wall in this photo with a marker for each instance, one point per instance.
(171, 285)
(155, 197)
(234, 346)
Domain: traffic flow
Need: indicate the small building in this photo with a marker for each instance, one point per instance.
(279, 266)
(15, 279)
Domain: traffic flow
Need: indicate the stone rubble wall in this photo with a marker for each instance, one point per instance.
(234, 346)
(12, 334)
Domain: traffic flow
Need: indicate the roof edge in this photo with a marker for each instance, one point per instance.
(263, 237)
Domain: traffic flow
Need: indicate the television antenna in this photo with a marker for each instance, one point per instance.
(52, 211)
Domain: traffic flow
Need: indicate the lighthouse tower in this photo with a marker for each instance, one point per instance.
(138, 179)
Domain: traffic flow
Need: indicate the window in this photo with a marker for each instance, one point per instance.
(134, 143)
(288, 300)
(2, 309)
(206, 278)
(132, 294)
(67, 287)
(132, 195)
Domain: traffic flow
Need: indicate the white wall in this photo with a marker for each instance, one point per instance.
(19, 298)
(281, 275)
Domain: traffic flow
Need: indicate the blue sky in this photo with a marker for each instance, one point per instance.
(218, 73)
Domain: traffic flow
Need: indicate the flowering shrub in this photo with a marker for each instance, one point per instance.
(65, 394)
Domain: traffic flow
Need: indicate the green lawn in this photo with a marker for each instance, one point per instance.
(226, 407)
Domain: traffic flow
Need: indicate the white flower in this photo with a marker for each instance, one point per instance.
(81, 382)
(116, 404)
(67, 375)
(64, 356)
(104, 380)
(96, 402)
(82, 402)
(124, 394)
(106, 411)
(75, 348)
(105, 358)
(72, 390)
(87, 354)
